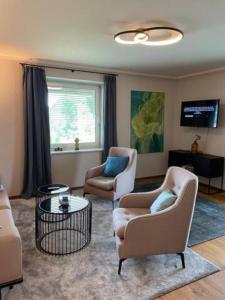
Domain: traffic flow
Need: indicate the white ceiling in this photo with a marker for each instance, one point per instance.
(81, 32)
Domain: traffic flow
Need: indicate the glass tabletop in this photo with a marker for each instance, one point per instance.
(51, 189)
(53, 205)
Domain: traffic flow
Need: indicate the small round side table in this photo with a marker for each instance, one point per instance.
(49, 190)
(60, 229)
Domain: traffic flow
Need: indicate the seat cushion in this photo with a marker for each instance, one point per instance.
(4, 200)
(101, 182)
(115, 165)
(121, 216)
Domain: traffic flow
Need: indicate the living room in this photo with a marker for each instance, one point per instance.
(192, 69)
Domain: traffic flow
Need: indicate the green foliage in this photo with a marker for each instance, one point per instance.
(147, 121)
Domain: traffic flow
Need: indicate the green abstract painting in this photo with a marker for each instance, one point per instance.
(147, 121)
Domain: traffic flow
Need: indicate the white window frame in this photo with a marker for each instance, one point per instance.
(81, 84)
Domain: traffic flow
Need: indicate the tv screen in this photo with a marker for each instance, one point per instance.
(201, 113)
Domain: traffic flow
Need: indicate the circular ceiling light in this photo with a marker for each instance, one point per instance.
(154, 36)
(141, 36)
(126, 37)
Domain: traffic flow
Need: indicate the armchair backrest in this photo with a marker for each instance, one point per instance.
(122, 151)
(185, 185)
(177, 178)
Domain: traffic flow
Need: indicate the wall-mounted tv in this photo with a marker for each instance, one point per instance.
(200, 113)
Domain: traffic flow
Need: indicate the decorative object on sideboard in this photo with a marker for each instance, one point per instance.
(77, 145)
(194, 145)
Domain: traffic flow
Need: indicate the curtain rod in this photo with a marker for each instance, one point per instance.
(67, 69)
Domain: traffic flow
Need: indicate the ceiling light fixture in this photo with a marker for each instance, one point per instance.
(154, 36)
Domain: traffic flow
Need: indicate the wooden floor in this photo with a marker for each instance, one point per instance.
(213, 286)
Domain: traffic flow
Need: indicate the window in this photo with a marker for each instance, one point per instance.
(75, 111)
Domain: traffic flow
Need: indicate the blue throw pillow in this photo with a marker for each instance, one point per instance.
(115, 165)
(163, 201)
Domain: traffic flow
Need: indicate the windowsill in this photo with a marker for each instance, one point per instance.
(76, 151)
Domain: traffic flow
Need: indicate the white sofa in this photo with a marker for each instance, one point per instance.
(10, 246)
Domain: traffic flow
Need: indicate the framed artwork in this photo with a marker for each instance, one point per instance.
(147, 121)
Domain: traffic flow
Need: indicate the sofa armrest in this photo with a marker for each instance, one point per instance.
(139, 200)
(10, 249)
(4, 200)
(94, 172)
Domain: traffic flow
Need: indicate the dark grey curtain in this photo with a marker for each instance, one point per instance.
(37, 169)
(110, 129)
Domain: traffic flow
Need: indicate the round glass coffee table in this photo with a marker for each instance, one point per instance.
(63, 228)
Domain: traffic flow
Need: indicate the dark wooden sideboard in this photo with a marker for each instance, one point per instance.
(205, 165)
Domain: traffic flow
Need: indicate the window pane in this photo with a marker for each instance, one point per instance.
(72, 114)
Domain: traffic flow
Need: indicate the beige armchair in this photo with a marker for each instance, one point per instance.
(112, 188)
(139, 233)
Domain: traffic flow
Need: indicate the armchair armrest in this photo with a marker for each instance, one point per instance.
(96, 171)
(139, 200)
(154, 234)
(124, 181)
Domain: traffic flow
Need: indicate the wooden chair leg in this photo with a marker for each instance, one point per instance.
(120, 265)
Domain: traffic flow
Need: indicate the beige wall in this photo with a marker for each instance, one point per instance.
(71, 168)
(150, 164)
(11, 126)
(208, 86)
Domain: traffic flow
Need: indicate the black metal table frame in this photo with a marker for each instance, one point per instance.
(217, 190)
(48, 219)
